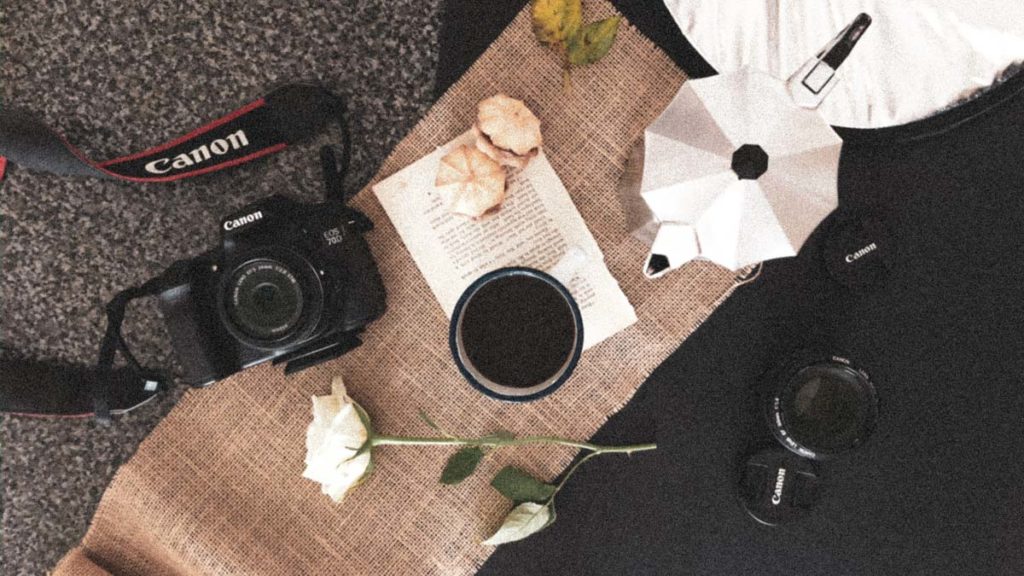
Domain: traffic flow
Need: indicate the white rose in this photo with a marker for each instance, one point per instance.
(337, 454)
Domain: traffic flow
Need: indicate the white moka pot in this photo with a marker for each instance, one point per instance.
(740, 167)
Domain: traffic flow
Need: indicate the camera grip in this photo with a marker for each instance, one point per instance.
(194, 336)
(365, 296)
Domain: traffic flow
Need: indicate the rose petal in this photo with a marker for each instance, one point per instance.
(333, 439)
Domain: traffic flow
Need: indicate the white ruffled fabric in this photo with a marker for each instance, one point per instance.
(918, 56)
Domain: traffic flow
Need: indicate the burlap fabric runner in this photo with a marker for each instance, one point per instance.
(216, 488)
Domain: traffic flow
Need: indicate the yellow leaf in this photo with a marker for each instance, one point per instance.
(593, 41)
(556, 21)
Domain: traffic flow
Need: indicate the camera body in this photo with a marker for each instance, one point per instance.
(290, 282)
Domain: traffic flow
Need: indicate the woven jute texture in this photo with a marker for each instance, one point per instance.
(217, 487)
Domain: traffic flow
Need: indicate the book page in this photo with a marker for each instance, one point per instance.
(536, 225)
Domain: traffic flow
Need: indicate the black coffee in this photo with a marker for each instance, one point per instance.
(518, 330)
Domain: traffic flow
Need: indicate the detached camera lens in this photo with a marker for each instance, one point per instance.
(823, 409)
(269, 303)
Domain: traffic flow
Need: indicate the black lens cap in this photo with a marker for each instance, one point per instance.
(859, 249)
(777, 486)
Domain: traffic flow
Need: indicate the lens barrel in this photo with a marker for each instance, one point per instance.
(271, 299)
(823, 408)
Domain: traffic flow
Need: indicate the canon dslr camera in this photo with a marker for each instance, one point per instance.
(290, 282)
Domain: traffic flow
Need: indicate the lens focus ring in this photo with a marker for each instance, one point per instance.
(271, 300)
(822, 409)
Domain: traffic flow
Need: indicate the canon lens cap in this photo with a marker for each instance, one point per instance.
(777, 486)
(859, 250)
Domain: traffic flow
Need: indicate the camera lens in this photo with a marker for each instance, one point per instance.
(823, 409)
(268, 302)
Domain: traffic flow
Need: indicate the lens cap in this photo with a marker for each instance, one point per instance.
(859, 250)
(777, 486)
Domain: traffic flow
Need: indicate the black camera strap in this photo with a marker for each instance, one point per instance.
(151, 381)
(285, 116)
(47, 388)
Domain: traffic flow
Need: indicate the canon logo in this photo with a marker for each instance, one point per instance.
(239, 222)
(218, 147)
(780, 480)
(851, 258)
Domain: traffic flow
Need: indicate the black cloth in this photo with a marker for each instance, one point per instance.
(937, 489)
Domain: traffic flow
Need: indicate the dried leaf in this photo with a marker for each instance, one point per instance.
(556, 21)
(461, 465)
(593, 41)
(519, 486)
(524, 520)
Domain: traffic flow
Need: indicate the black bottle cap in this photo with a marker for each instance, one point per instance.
(859, 250)
(777, 486)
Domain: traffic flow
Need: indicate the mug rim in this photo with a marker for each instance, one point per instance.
(500, 273)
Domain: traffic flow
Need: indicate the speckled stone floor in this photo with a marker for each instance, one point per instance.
(117, 76)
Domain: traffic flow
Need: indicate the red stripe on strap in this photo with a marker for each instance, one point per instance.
(48, 415)
(219, 122)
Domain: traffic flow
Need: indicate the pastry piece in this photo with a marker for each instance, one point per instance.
(507, 131)
(503, 157)
(470, 182)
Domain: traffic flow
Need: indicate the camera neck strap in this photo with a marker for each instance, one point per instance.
(144, 382)
(284, 116)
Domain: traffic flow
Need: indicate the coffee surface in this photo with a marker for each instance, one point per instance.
(518, 330)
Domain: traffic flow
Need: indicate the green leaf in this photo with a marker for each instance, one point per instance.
(428, 421)
(499, 436)
(593, 41)
(524, 520)
(504, 435)
(461, 465)
(556, 21)
(519, 486)
(366, 447)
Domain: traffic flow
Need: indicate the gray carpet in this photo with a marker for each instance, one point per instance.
(117, 76)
